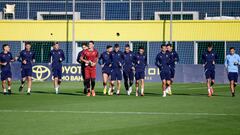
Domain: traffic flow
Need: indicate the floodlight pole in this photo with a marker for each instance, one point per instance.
(171, 18)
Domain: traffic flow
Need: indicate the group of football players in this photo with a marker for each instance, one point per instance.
(128, 65)
(115, 65)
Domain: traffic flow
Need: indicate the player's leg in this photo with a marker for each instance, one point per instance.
(55, 84)
(208, 82)
(168, 83)
(212, 81)
(23, 80)
(131, 77)
(142, 76)
(59, 77)
(137, 76)
(93, 86)
(4, 87)
(232, 89)
(84, 81)
(105, 80)
(29, 78)
(93, 78)
(232, 80)
(142, 87)
(164, 84)
(9, 82)
(113, 78)
(88, 81)
(137, 87)
(126, 79)
(169, 89)
(119, 79)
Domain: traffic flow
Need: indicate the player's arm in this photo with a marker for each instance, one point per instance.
(203, 59)
(95, 60)
(157, 62)
(19, 57)
(176, 57)
(82, 58)
(226, 62)
(50, 58)
(2, 63)
(12, 58)
(62, 57)
(33, 58)
(145, 62)
(170, 59)
(100, 60)
(78, 58)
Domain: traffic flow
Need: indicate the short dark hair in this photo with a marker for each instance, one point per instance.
(163, 45)
(91, 42)
(109, 46)
(127, 45)
(141, 47)
(4, 45)
(169, 45)
(84, 44)
(231, 48)
(55, 43)
(210, 45)
(116, 45)
(27, 43)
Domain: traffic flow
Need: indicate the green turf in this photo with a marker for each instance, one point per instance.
(189, 112)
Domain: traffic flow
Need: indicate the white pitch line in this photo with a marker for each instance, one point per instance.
(199, 88)
(134, 113)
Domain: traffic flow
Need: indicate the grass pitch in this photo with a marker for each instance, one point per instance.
(189, 111)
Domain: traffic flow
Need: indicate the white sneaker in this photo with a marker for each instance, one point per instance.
(109, 92)
(136, 93)
(56, 90)
(164, 94)
(118, 92)
(167, 90)
(130, 91)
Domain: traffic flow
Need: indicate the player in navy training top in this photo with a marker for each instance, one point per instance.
(27, 58)
(140, 61)
(116, 73)
(128, 68)
(163, 61)
(84, 47)
(175, 59)
(209, 58)
(56, 59)
(105, 62)
(5, 61)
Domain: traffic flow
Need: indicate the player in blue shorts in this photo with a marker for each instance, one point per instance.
(163, 61)
(27, 58)
(105, 62)
(128, 68)
(209, 60)
(175, 59)
(231, 63)
(56, 59)
(140, 61)
(116, 73)
(5, 61)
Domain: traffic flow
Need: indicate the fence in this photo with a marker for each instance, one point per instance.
(71, 10)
